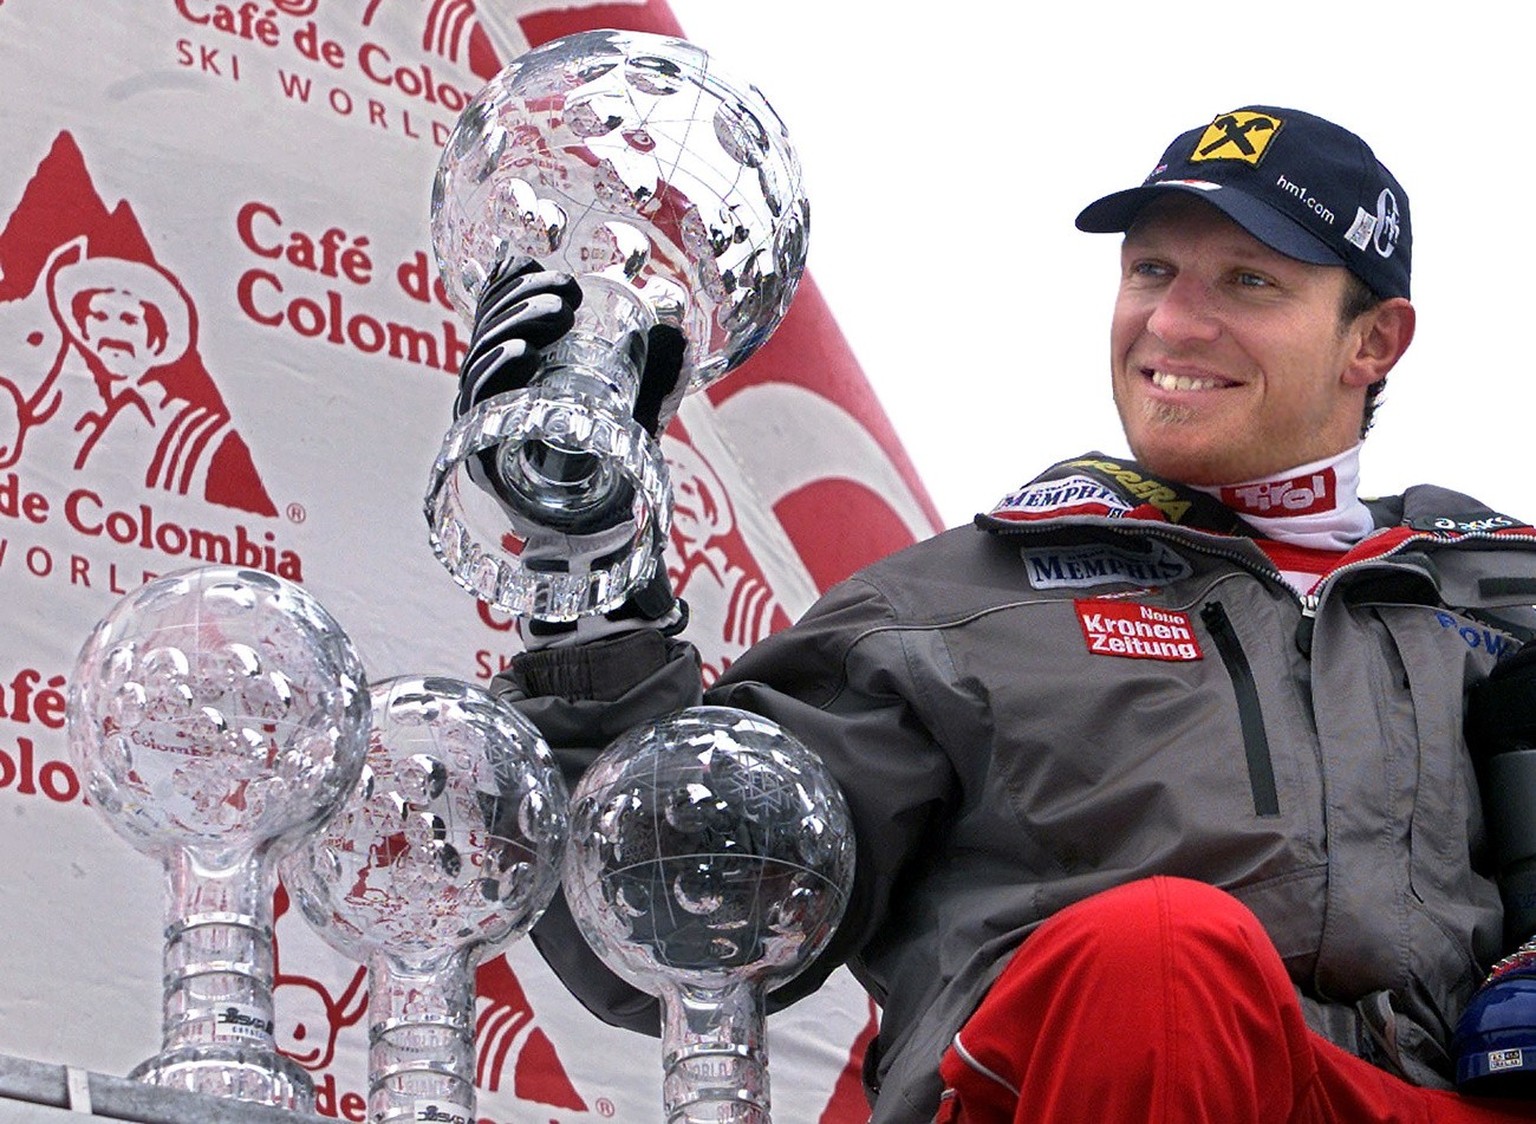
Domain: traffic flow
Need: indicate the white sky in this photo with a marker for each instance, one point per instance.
(947, 156)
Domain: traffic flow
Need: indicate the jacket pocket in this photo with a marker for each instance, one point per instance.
(1261, 768)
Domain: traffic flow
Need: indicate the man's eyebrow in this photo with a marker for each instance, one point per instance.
(1238, 249)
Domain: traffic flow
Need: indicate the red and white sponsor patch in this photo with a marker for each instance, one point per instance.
(1303, 495)
(1137, 632)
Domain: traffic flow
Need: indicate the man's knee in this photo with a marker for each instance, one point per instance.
(1144, 918)
(1132, 988)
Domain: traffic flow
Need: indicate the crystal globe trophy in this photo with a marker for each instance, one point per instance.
(447, 849)
(671, 192)
(216, 716)
(711, 857)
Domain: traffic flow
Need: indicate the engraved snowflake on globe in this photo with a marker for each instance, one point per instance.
(708, 846)
(636, 157)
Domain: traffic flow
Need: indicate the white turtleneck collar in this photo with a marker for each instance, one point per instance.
(1316, 506)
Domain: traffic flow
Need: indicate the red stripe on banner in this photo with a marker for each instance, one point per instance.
(839, 526)
(809, 350)
(653, 16)
(849, 1105)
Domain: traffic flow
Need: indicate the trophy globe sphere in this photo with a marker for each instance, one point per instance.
(635, 158)
(707, 849)
(670, 191)
(217, 711)
(449, 843)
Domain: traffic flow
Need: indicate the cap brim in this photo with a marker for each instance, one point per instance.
(1115, 213)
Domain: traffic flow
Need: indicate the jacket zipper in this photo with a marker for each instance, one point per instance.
(1261, 769)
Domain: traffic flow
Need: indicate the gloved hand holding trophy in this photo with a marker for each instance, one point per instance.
(623, 223)
(671, 196)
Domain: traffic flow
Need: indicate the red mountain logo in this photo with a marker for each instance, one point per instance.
(98, 345)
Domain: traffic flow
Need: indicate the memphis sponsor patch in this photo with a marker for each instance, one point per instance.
(1071, 495)
(1082, 567)
(1137, 632)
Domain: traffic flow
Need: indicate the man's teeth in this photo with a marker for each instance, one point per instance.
(1164, 381)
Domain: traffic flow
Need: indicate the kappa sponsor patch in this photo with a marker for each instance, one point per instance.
(1304, 495)
(1148, 489)
(1482, 522)
(1242, 135)
(1081, 567)
(1137, 632)
(1072, 495)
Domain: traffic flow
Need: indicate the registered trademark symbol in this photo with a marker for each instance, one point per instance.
(605, 1107)
(296, 513)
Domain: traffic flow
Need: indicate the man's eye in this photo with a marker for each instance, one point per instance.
(1252, 280)
(1149, 269)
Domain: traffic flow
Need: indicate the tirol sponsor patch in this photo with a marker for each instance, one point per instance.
(1071, 495)
(1138, 632)
(1080, 567)
(1304, 495)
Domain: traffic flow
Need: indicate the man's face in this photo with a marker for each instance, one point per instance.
(115, 325)
(1228, 358)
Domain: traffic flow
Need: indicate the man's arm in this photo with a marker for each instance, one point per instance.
(582, 697)
(825, 683)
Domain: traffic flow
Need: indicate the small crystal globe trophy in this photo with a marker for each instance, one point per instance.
(670, 191)
(447, 848)
(217, 716)
(711, 857)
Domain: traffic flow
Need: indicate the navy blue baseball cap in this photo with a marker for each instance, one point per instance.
(1299, 184)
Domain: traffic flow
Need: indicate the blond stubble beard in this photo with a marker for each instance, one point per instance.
(1164, 413)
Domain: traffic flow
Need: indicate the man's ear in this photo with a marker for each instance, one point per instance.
(1380, 335)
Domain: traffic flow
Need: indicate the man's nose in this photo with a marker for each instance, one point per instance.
(1185, 312)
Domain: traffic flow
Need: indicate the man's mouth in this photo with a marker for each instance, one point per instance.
(1165, 381)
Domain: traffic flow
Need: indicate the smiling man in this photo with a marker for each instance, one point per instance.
(1167, 774)
(1256, 318)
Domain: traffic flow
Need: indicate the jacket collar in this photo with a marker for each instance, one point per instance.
(1096, 485)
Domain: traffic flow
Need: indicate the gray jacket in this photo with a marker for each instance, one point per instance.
(1025, 713)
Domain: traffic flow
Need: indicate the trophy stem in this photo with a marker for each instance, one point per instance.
(714, 1054)
(421, 1040)
(556, 479)
(217, 1023)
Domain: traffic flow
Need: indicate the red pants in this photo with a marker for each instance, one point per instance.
(1164, 1000)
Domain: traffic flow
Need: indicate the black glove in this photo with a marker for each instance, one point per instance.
(1501, 710)
(1500, 729)
(523, 309)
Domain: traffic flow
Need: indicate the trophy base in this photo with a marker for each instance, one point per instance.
(242, 1073)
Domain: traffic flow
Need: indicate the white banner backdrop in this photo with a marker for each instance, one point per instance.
(222, 340)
